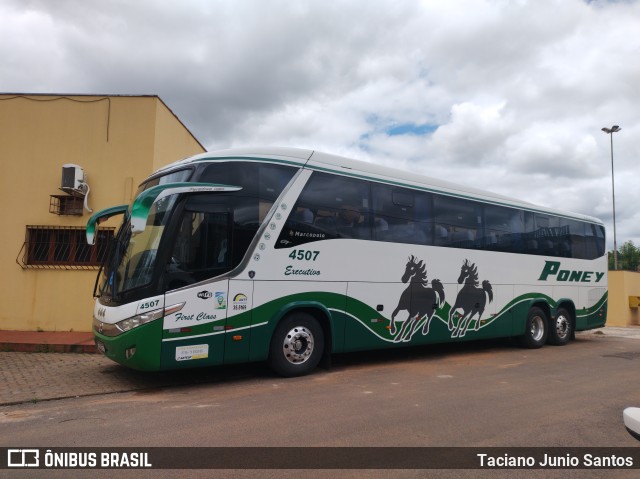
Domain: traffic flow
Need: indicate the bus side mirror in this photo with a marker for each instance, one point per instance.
(101, 216)
(631, 416)
(143, 203)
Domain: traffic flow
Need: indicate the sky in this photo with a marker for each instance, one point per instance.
(507, 96)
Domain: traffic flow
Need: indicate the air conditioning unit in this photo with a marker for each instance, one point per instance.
(73, 180)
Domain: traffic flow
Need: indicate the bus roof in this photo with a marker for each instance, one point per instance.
(361, 169)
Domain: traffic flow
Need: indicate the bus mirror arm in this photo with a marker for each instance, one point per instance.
(101, 216)
(143, 203)
(631, 416)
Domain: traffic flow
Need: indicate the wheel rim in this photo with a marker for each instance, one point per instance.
(562, 326)
(537, 328)
(298, 345)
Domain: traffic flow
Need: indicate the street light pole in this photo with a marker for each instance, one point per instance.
(610, 132)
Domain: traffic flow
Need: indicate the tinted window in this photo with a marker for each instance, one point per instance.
(547, 235)
(574, 244)
(174, 177)
(262, 180)
(595, 240)
(258, 180)
(333, 206)
(458, 222)
(503, 229)
(401, 215)
(329, 207)
(202, 248)
(216, 230)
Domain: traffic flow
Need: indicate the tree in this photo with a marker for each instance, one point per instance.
(628, 257)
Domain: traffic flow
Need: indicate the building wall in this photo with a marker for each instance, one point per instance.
(171, 143)
(622, 285)
(118, 141)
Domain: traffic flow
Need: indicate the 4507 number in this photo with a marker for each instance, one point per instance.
(149, 304)
(304, 255)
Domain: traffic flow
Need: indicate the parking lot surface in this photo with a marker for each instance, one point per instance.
(33, 377)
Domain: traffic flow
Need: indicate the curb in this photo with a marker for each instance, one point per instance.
(48, 348)
(47, 342)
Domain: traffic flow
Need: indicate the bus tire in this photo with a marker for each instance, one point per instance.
(536, 330)
(296, 345)
(561, 328)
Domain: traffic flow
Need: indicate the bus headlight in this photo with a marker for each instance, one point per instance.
(138, 320)
(128, 324)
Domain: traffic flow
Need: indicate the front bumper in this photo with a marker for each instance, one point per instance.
(138, 349)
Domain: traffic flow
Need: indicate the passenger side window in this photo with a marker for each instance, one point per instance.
(329, 207)
(458, 222)
(401, 215)
(548, 236)
(594, 238)
(333, 206)
(503, 229)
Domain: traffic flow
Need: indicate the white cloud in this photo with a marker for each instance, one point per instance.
(511, 95)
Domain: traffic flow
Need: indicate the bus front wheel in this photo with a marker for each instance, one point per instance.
(561, 328)
(296, 346)
(536, 330)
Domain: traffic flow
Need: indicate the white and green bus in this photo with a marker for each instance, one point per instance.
(289, 255)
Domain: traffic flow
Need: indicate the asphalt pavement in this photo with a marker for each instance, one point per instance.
(33, 377)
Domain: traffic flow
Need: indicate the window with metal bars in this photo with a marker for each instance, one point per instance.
(63, 248)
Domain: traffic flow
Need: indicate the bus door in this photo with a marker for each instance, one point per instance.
(195, 328)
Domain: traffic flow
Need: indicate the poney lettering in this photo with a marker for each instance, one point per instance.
(552, 269)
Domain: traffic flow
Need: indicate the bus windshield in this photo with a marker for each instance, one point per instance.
(169, 253)
(133, 257)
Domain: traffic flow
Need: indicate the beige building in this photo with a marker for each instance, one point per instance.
(624, 298)
(48, 271)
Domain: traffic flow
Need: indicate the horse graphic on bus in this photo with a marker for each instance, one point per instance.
(420, 300)
(471, 300)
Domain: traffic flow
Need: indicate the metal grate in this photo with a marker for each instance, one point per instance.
(66, 205)
(51, 247)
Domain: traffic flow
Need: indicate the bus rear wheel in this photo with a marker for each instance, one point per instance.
(536, 330)
(561, 328)
(296, 346)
